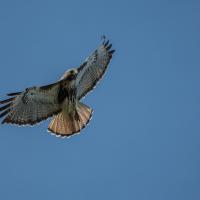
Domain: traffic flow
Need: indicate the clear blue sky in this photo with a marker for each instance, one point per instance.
(143, 142)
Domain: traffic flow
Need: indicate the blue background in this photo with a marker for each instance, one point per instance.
(144, 139)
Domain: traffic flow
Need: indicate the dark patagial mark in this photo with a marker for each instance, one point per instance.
(82, 66)
(46, 87)
(14, 94)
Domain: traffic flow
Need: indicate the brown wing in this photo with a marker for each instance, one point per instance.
(92, 70)
(31, 106)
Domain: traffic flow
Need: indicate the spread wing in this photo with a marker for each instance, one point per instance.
(31, 106)
(92, 70)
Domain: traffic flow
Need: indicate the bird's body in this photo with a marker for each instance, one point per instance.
(61, 99)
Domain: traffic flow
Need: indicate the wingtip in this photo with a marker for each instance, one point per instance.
(103, 38)
(5, 107)
(109, 47)
(106, 44)
(7, 100)
(112, 51)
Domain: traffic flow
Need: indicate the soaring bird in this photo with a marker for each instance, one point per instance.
(60, 100)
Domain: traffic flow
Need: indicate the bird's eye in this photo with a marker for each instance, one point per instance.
(73, 71)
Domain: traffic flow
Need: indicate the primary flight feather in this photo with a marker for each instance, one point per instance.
(60, 100)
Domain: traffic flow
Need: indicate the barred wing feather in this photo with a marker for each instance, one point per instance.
(31, 106)
(92, 70)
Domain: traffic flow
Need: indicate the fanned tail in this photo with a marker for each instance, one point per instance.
(66, 124)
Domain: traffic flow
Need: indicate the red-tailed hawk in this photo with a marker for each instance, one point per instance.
(61, 99)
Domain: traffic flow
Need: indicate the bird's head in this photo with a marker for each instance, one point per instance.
(70, 74)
